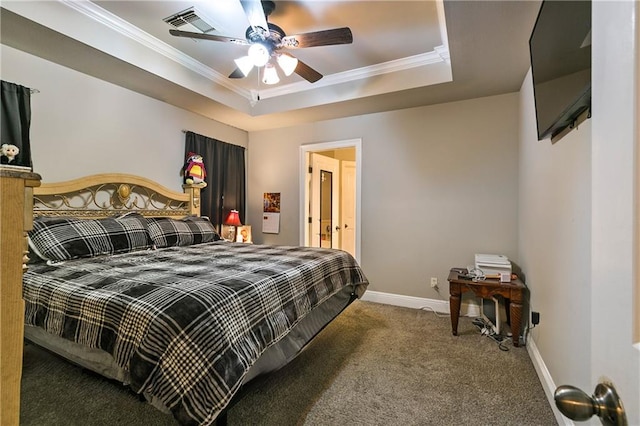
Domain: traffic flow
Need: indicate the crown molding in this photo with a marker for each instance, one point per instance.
(440, 54)
(443, 52)
(134, 33)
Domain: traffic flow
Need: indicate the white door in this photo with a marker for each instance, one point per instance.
(614, 197)
(348, 207)
(614, 216)
(325, 201)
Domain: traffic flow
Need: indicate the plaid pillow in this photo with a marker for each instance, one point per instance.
(167, 232)
(65, 238)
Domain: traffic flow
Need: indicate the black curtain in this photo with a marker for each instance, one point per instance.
(224, 164)
(15, 120)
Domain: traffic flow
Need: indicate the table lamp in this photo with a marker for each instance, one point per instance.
(233, 219)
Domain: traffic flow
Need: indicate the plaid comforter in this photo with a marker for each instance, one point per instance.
(187, 322)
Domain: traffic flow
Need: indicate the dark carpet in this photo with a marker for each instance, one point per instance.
(374, 365)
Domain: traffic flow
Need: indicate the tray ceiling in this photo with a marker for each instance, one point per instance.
(404, 53)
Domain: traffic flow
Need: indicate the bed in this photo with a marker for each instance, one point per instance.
(127, 280)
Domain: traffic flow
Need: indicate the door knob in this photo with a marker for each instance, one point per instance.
(605, 403)
(337, 228)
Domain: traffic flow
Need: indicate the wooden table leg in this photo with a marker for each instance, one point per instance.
(454, 306)
(516, 317)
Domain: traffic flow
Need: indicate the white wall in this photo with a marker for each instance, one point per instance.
(439, 183)
(82, 125)
(554, 228)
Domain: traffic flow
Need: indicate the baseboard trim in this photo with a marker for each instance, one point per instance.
(440, 306)
(473, 310)
(546, 380)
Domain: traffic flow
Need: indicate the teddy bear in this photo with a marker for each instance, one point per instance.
(194, 171)
(8, 153)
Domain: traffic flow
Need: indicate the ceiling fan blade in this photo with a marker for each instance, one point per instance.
(255, 13)
(306, 72)
(319, 38)
(236, 74)
(204, 36)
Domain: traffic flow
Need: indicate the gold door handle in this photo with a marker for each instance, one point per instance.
(605, 403)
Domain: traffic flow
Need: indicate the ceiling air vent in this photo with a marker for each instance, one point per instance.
(190, 19)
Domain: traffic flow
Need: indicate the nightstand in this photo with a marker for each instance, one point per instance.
(513, 291)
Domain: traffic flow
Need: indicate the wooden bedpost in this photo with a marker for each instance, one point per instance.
(193, 190)
(16, 218)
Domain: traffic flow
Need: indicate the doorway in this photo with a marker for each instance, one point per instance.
(330, 195)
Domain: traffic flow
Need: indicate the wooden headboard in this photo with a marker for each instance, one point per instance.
(109, 194)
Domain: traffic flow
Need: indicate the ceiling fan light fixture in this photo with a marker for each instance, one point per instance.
(287, 63)
(245, 64)
(270, 75)
(259, 54)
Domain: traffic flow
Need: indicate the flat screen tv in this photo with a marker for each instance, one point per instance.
(560, 48)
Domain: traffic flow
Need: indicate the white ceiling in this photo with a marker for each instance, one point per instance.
(404, 53)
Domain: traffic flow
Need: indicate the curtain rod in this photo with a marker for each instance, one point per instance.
(34, 91)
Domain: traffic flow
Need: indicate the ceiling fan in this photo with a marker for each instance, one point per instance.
(267, 41)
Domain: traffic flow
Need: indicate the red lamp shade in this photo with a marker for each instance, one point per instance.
(233, 219)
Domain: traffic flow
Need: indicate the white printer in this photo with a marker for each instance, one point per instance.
(494, 266)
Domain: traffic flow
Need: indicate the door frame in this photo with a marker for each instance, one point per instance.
(325, 146)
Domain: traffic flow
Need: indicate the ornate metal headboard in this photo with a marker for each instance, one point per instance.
(110, 194)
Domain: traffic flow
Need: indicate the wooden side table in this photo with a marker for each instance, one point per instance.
(513, 291)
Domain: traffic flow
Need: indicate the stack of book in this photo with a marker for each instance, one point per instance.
(495, 266)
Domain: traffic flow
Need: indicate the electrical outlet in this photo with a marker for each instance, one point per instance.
(434, 282)
(535, 318)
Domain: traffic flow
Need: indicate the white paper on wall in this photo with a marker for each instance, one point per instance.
(270, 223)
